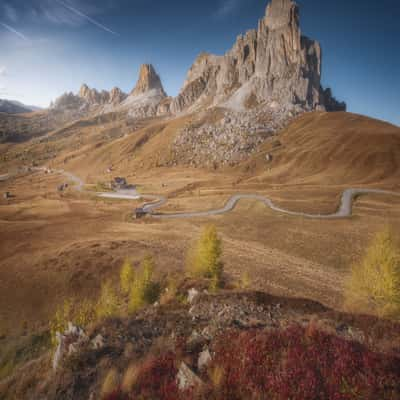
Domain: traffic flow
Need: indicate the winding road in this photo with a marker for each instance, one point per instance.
(344, 211)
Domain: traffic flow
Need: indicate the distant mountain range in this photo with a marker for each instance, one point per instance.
(15, 107)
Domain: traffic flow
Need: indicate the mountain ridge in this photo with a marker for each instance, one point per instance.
(272, 65)
(16, 107)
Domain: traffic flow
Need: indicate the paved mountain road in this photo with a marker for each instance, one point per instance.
(344, 211)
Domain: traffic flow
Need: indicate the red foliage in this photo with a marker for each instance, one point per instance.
(157, 379)
(293, 364)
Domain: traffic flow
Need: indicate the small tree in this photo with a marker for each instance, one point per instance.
(127, 277)
(107, 305)
(204, 259)
(144, 290)
(374, 284)
(60, 320)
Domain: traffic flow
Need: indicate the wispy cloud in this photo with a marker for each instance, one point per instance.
(226, 8)
(85, 16)
(3, 71)
(57, 12)
(12, 30)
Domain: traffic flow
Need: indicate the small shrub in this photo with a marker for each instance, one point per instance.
(130, 378)
(82, 313)
(157, 379)
(374, 285)
(171, 291)
(108, 303)
(59, 323)
(127, 277)
(110, 383)
(204, 260)
(85, 314)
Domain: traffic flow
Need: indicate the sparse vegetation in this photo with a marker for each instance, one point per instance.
(102, 187)
(81, 313)
(108, 304)
(144, 290)
(374, 285)
(127, 277)
(18, 351)
(136, 291)
(60, 321)
(204, 259)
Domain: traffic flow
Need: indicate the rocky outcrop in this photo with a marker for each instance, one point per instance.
(274, 63)
(148, 80)
(117, 96)
(228, 137)
(88, 99)
(147, 99)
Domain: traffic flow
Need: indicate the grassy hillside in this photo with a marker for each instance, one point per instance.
(332, 148)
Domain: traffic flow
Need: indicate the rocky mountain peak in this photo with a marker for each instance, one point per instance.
(273, 64)
(148, 80)
(282, 13)
(117, 95)
(84, 90)
(92, 96)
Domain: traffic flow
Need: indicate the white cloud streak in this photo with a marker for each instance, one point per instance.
(81, 14)
(12, 30)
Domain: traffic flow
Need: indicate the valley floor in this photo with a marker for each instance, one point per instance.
(55, 246)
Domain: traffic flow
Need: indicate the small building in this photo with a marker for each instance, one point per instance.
(62, 187)
(118, 183)
(140, 213)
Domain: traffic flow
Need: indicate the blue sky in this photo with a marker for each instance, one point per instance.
(52, 46)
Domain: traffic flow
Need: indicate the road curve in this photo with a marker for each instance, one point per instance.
(344, 211)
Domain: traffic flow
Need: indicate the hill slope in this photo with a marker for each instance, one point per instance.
(331, 148)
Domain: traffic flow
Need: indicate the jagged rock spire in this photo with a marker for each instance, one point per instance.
(148, 80)
(282, 13)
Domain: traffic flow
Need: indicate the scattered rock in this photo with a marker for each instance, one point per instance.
(70, 342)
(196, 340)
(98, 342)
(187, 379)
(192, 294)
(204, 359)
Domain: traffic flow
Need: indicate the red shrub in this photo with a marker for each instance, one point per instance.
(292, 365)
(156, 379)
(279, 365)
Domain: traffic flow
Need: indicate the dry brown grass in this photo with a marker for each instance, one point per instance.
(56, 246)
